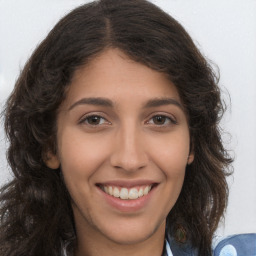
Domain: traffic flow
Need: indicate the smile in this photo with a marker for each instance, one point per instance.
(126, 193)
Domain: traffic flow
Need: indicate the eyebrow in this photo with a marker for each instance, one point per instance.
(93, 101)
(161, 102)
(98, 101)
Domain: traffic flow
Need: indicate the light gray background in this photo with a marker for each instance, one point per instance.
(224, 30)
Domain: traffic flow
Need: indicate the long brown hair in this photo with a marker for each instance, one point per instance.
(36, 216)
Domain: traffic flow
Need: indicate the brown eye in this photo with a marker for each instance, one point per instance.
(160, 120)
(94, 120)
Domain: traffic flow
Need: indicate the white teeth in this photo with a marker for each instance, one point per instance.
(116, 192)
(146, 190)
(141, 192)
(110, 191)
(126, 193)
(133, 193)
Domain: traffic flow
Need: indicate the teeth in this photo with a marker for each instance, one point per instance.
(146, 190)
(110, 191)
(116, 192)
(133, 193)
(141, 192)
(125, 193)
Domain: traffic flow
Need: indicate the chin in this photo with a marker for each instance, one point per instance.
(134, 233)
(129, 238)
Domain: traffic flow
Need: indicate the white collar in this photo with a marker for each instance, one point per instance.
(168, 248)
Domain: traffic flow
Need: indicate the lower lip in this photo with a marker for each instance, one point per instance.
(133, 205)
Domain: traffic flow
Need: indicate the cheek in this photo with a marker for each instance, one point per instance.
(81, 154)
(172, 154)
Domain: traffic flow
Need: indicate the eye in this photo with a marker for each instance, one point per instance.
(94, 120)
(161, 120)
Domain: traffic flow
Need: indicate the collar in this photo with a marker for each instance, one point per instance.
(178, 249)
(168, 249)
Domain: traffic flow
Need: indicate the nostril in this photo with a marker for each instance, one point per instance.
(130, 164)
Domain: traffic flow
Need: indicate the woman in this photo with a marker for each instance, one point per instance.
(114, 140)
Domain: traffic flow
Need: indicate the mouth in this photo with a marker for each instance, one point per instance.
(127, 193)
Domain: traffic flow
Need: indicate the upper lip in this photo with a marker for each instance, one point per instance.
(127, 183)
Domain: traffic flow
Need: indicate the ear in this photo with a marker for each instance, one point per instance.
(191, 158)
(191, 155)
(52, 160)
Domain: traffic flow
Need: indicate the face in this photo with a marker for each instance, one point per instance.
(123, 146)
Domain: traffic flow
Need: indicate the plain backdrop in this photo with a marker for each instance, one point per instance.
(225, 32)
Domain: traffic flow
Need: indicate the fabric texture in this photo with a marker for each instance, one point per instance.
(236, 245)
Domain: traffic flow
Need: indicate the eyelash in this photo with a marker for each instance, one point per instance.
(86, 118)
(170, 120)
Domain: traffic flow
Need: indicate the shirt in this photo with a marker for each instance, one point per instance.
(236, 245)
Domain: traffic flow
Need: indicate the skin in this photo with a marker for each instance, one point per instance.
(131, 140)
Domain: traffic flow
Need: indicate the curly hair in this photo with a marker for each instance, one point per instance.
(36, 215)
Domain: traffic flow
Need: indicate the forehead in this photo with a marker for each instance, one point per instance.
(113, 75)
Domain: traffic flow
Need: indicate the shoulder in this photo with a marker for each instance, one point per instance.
(237, 245)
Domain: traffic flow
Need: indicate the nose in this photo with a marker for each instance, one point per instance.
(129, 151)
